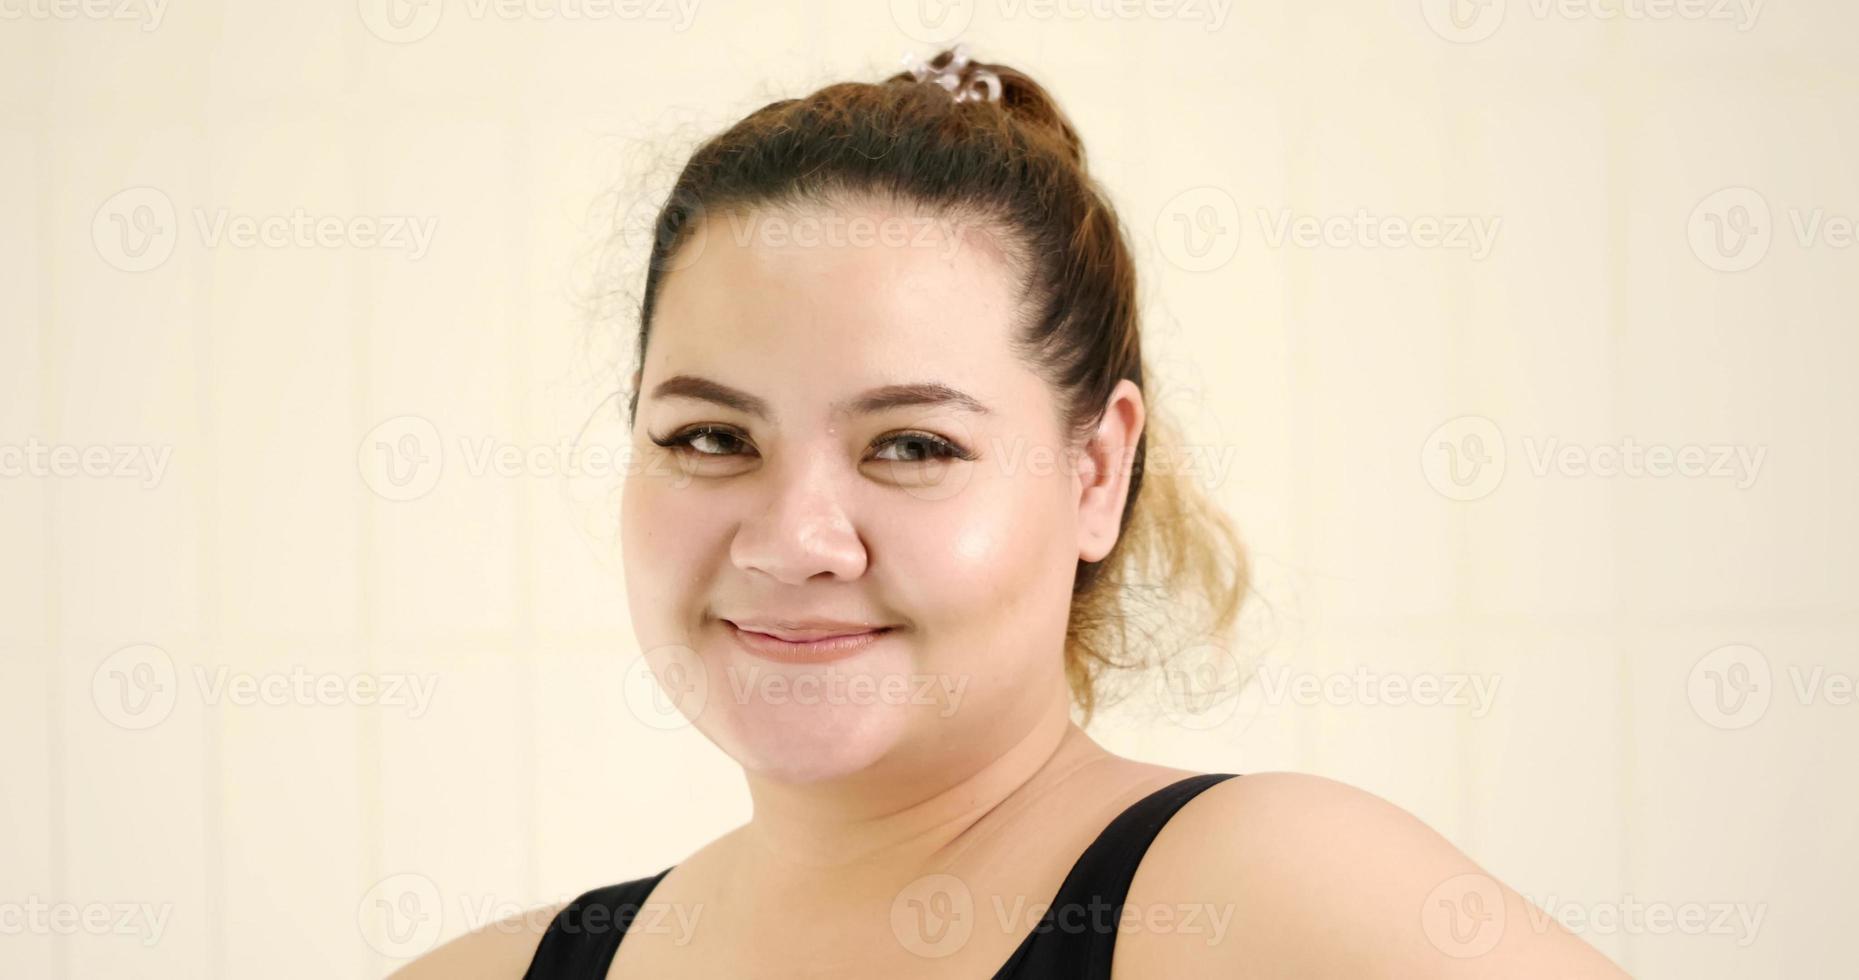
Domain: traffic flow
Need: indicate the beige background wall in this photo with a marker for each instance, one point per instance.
(1665, 760)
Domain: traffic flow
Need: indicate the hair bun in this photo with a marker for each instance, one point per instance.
(1024, 99)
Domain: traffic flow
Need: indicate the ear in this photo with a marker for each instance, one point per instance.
(1104, 464)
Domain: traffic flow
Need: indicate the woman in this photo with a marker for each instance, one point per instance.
(890, 404)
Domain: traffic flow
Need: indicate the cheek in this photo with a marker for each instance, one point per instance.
(994, 563)
(664, 541)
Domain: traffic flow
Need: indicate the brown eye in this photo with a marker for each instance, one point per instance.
(686, 441)
(922, 447)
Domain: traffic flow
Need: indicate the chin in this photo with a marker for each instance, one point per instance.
(809, 743)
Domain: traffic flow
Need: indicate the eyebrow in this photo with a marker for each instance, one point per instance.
(876, 400)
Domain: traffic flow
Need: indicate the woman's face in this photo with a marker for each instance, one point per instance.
(820, 490)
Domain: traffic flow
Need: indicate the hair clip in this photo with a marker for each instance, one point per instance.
(982, 85)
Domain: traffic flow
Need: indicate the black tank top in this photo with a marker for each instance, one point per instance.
(581, 941)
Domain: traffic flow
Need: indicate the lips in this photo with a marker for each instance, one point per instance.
(812, 643)
(804, 634)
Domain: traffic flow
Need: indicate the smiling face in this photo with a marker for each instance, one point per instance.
(847, 437)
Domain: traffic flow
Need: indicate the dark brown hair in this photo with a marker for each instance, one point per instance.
(1016, 165)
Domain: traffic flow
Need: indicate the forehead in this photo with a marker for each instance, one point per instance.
(827, 297)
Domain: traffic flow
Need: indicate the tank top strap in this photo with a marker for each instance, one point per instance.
(1078, 933)
(581, 940)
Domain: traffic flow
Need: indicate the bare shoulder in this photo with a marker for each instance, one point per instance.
(500, 950)
(1285, 875)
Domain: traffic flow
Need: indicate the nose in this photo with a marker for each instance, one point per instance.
(804, 530)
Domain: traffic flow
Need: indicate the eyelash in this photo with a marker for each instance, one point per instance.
(938, 447)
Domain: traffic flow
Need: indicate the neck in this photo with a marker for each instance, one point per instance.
(903, 822)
